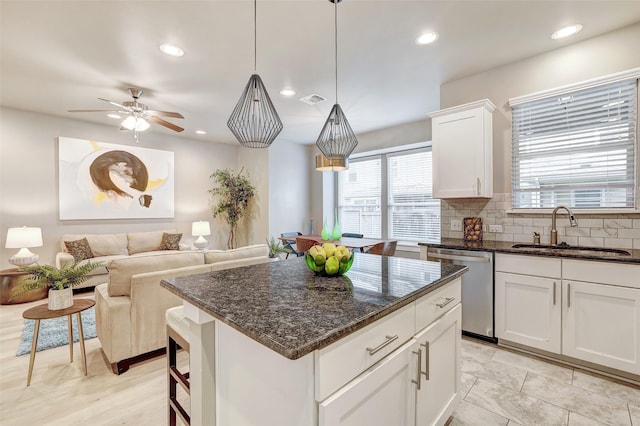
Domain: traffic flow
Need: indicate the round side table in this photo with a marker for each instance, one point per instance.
(12, 278)
(42, 312)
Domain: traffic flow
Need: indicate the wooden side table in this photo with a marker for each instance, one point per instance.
(12, 278)
(41, 312)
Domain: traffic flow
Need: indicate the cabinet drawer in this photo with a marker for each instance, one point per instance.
(529, 265)
(340, 362)
(625, 275)
(438, 303)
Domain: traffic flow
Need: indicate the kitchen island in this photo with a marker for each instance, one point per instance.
(275, 344)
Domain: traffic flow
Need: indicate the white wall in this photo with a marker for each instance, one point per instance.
(607, 54)
(29, 170)
(289, 185)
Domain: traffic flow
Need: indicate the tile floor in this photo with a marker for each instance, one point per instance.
(501, 387)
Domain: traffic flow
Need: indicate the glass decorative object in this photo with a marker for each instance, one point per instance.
(337, 233)
(325, 234)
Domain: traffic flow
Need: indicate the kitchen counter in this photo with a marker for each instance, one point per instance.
(506, 247)
(287, 308)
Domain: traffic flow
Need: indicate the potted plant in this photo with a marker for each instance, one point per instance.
(275, 248)
(59, 281)
(234, 192)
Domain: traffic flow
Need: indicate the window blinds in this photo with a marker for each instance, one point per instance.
(360, 197)
(578, 148)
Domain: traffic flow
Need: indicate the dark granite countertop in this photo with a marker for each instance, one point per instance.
(287, 308)
(506, 247)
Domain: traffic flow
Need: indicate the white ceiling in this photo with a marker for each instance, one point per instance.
(61, 55)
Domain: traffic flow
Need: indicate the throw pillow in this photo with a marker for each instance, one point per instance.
(170, 241)
(79, 249)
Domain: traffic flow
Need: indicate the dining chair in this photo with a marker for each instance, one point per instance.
(385, 248)
(303, 245)
(290, 243)
(352, 235)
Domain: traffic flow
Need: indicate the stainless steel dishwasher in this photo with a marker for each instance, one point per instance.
(477, 288)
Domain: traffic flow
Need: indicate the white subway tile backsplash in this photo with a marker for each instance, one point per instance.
(609, 230)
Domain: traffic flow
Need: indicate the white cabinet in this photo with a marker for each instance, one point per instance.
(382, 395)
(528, 308)
(439, 391)
(416, 384)
(558, 306)
(463, 151)
(601, 322)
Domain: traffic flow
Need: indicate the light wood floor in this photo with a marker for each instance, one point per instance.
(61, 395)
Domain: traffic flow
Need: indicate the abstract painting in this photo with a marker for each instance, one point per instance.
(98, 180)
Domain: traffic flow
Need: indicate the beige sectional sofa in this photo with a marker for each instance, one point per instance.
(109, 247)
(130, 307)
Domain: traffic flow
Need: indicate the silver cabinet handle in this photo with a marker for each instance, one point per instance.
(568, 295)
(417, 381)
(447, 301)
(477, 186)
(432, 255)
(426, 370)
(373, 351)
(554, 293)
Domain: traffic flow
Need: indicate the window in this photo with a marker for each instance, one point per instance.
(390, 196)
(577, 148)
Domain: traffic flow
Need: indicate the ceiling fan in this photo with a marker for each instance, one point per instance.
(138, 113)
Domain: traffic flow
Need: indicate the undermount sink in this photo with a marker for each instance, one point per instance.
(580, 250)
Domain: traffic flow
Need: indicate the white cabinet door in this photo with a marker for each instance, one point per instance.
(439, 392)
(462, 151)
(382, 395)
(601, 324)
(528, 310)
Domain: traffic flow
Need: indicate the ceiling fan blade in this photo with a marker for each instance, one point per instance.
(93, 110)
(165, 113)
(113, 103)
(166, 124)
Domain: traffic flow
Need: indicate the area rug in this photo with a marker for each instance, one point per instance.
(54, 332)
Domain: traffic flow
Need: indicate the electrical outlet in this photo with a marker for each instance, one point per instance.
(495, 228)
(456, 225)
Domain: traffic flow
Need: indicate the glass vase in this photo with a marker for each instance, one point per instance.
(325, 234)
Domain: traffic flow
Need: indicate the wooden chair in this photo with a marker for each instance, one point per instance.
(303, 244)
(386, 248)
(290, 243)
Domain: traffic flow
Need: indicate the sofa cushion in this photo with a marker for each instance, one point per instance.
(121, 270)
(101, 244)
(170, 241)
(256, 250)
(145, 241)
(79, 249)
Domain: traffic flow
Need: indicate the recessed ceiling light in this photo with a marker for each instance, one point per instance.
(201, 132)
(171, 50)
(566, 31)
(287, 92)
(113, 116)
(427, 38)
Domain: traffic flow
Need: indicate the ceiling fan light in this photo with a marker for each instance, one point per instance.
(137, 124)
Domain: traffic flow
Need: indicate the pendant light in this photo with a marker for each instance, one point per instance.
(255, 121)
(337, 140)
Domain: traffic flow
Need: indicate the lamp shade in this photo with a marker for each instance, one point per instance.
(337, 140)
(200, 228)
(24, 237)
(323, 164)
(138, 124)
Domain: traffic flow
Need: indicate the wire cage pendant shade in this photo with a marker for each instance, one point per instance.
(336, 140)
(255, 121)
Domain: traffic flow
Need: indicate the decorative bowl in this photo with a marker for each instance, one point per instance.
(320, 270)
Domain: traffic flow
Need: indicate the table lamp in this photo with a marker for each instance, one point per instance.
(23, 238)
(199, 229)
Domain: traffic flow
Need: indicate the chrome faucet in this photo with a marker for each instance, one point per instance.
(554, 231)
